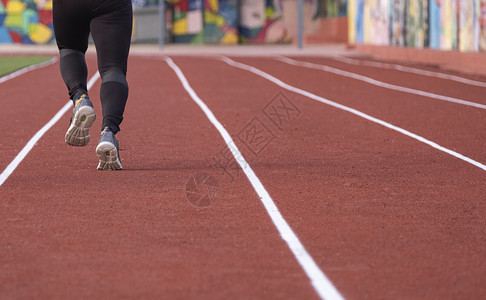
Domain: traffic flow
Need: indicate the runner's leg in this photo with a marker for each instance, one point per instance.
(111, 31)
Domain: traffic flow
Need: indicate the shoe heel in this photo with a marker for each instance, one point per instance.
(108, 157)
(78, 132)
(85, 117)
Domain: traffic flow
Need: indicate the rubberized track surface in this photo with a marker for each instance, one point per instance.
(382, 215)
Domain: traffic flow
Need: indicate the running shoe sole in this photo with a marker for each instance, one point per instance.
(78, 132)
(108, 155)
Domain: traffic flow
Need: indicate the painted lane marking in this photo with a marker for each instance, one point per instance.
(28, 147)
(28, 69)
(321, 283)
(408, 70)
(378, 83)
(349, 109)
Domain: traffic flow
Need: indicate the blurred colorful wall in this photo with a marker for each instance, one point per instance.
(187, 21)
(437, 24)
(26, 22)
(227, 21)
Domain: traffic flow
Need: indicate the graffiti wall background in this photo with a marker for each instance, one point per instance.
(262, 21)
(189, 21)
(335, 8)
(26, 22)
(380, 22)
(469, 28)
(482, 25)
(227, 21)
(417, 31)
(438, 24)
(220, 22)
(239, 21)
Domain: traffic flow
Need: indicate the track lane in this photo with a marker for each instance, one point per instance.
(466, 126)
(39, 134)
(28, 102)
(381, 213)
(133, 233)
(53, 234)
(319, 280)
(414, 81)
(420, 70)
(381, 84)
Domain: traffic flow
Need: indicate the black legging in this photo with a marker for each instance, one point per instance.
(110, 24)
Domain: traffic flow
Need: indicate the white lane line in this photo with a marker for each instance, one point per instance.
(349, 109)
(378, 83)
(23, 153)
(408, 70)
(27, 69)
(321, 283)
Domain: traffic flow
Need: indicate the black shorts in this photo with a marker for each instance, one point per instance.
(110, 24)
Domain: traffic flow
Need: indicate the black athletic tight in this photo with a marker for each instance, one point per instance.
(110, 24)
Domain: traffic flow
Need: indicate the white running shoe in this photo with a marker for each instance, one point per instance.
(83, 117)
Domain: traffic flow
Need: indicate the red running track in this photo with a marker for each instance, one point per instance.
(381, 214)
